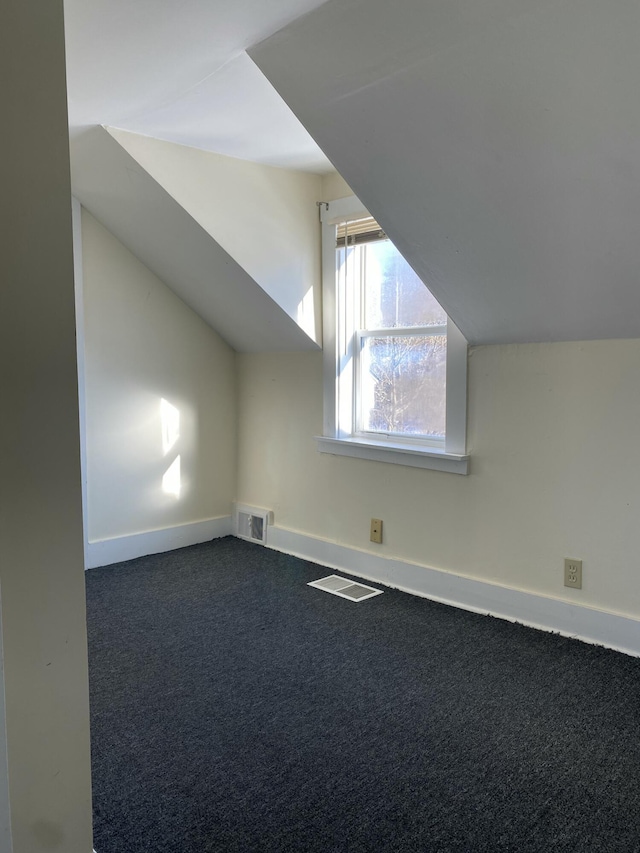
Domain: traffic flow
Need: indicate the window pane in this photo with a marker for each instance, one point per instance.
(402, 384)
(394, 295)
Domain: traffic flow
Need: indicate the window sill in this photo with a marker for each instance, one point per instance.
(395, 453)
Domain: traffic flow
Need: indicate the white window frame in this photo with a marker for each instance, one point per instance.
(340, 435)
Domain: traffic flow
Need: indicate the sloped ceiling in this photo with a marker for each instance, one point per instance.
(496, 141)
(264, 217)
(161, 232)
(177, 71)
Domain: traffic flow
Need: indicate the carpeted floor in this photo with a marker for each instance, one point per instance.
(236, 709)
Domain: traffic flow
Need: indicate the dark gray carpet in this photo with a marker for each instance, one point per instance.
(234, 708)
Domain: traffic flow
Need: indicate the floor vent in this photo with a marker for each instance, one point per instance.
(345, 588)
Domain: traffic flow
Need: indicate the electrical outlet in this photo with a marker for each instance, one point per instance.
(573, 573)
(376, 530)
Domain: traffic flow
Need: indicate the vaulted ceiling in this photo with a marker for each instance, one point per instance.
(177, 75)
(177, 70)
(496, 141)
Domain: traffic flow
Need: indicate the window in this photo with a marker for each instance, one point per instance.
(395, 365)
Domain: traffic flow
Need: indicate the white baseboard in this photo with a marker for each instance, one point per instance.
(548, 614)
(104, 552)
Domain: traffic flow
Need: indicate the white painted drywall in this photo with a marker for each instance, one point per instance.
(41, 552)
(122, 195)
(143, 345)
(496, 143)
(5, 807)
(334, 186)
(266, 218)
(553, 472)
(234, 111)
(177, 71)
(76, 214)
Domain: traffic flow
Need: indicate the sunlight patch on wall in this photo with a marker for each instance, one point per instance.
(171, 481)
(170, 429)
(170, 422)
(305, 315)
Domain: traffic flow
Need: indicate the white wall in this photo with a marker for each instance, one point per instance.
(160, 232)
(41, 555)
(142, 345)
(265, 217)
(334, 186)
(5, 808)
(554, 471)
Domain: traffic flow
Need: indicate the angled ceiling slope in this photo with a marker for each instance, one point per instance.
(178, 71)
(266, 218)
(497, 143)
(153, 225)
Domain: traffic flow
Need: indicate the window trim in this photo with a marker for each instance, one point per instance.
(338, 384)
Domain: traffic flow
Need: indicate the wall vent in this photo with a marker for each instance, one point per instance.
(345, 588)
(251, 523)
